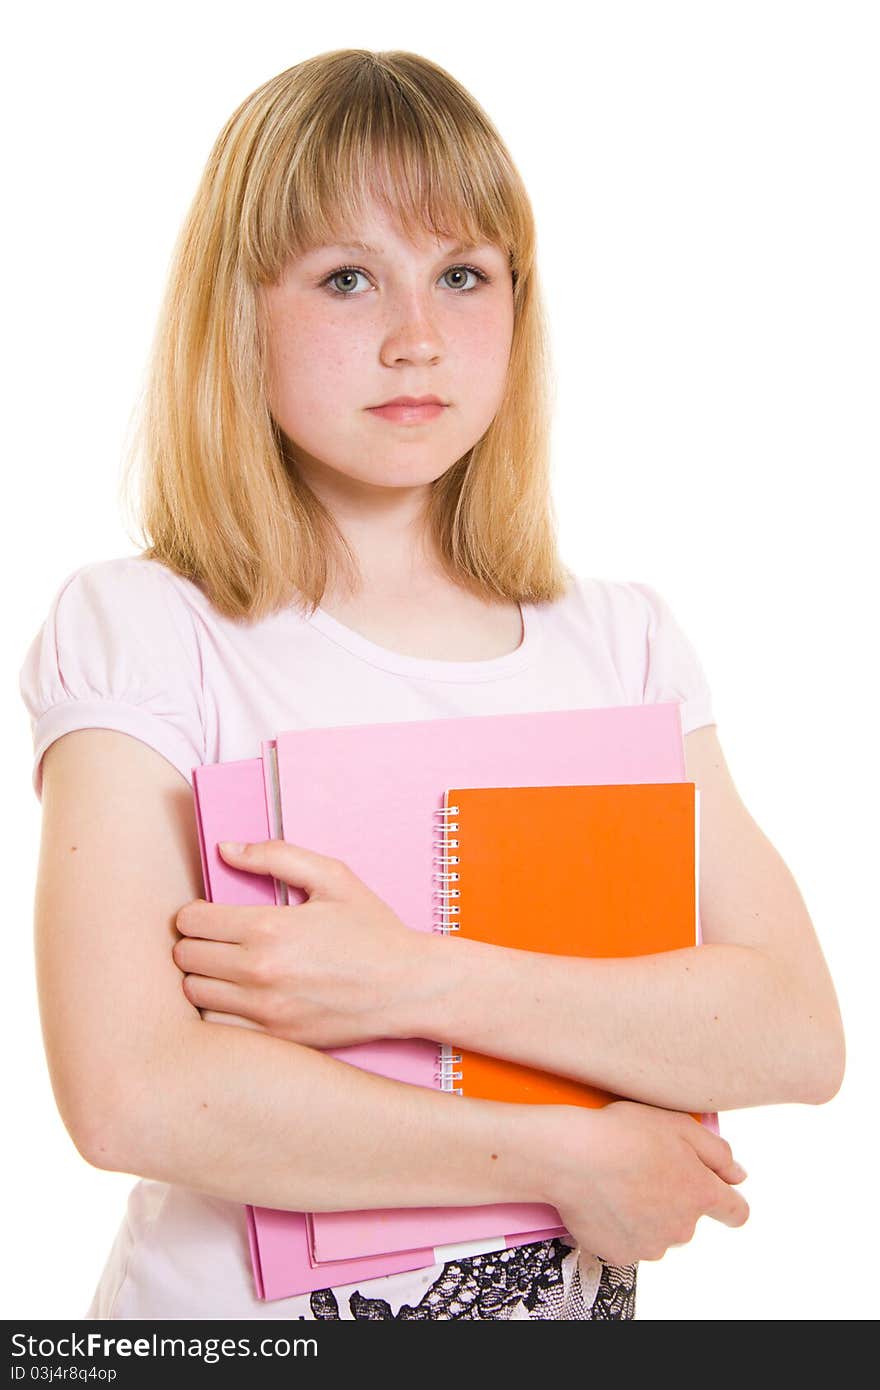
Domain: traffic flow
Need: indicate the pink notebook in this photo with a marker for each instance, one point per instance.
(326, 789)
(230, 803)
(234, 801)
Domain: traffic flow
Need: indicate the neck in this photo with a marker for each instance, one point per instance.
(385, 529)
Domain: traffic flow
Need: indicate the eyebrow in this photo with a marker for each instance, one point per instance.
(374, 251)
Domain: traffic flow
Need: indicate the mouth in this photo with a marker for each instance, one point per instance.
(408, 400)
(406, 412)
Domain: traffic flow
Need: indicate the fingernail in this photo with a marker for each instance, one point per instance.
(739, 1171)
(230, 846)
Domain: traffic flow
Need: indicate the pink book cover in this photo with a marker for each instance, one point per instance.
(454, 1227)
(367, 794)
(232, 803)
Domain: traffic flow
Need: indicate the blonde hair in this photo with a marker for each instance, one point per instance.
(220, 500)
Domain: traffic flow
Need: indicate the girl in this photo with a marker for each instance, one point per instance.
(317, 557)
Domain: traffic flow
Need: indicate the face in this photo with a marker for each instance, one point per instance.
(402, 320)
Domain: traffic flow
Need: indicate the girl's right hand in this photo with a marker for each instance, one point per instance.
(630, 1180)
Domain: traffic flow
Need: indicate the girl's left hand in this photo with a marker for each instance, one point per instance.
(337, 969)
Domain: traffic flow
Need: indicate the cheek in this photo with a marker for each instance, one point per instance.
(496, 337)
(485, 347)
(480, 344)
(313, 370)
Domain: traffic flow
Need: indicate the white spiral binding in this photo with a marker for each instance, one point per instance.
(447, 1060)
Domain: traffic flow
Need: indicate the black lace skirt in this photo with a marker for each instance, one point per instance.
(545, 1281)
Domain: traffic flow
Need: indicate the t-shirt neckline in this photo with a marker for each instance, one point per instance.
(494, 668)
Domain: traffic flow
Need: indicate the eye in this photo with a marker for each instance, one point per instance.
(350, 270)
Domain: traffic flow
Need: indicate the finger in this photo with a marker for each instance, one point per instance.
(221, 995)
(214, 958)
(716, 1153)
(731, 1208)
(217, 921)
(320, 875)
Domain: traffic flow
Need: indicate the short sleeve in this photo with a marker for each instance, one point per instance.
(117, 650)
(673, 670)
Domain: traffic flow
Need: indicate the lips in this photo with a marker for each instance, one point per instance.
(409, 400)
(408, 414)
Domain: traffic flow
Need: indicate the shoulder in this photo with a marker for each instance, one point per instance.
(630, 604)
(110, 625)
(119, 598)
(124, 576)
(117, 650)
(626, 604)
(651, 652)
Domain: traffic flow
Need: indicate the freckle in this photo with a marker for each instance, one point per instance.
(494, 1155)
(716, 1018)
(73, 849)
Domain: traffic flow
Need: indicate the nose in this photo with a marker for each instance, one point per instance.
(412, 335)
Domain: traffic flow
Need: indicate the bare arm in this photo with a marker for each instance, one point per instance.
(254, 1118)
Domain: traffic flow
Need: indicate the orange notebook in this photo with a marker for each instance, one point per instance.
(602, 870)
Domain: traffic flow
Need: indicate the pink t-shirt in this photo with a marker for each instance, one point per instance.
(128, 645)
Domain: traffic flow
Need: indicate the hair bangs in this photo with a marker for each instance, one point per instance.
(377, 139)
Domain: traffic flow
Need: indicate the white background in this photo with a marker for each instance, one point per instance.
(704, 178)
